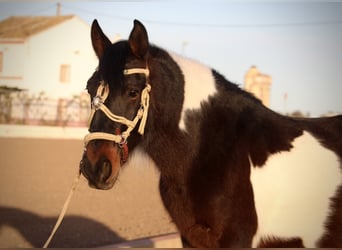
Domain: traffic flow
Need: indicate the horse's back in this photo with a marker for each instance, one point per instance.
(328, 130)
(298, 192)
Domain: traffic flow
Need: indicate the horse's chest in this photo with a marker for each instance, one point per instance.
(293, 190)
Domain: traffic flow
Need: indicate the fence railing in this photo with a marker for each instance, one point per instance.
(25, 108)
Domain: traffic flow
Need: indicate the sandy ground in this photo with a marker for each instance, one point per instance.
(36, 176)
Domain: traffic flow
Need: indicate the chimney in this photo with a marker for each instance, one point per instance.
(58, 13)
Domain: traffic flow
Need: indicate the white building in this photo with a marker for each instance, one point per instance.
(52, 54)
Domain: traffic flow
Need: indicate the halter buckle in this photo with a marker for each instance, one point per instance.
(97, 101)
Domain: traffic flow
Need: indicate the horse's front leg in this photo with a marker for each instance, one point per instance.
(179, 206)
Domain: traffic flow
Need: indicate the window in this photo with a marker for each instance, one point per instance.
(64, 75)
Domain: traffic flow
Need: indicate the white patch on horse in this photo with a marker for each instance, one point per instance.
(199, 84)
(139, 158)
(293, 190)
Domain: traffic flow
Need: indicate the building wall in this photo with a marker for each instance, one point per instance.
(66, 44)
(38, 60)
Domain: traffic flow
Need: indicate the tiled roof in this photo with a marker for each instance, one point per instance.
(23, 27)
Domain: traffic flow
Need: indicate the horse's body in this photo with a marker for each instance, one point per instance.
(232, 172)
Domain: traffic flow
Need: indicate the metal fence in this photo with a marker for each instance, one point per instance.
(24, 108)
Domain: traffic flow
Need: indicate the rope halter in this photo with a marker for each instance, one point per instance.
(98, 104)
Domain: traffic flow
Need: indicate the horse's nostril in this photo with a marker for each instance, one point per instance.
(105, 170)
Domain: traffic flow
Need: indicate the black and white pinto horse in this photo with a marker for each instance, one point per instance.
(233, 173)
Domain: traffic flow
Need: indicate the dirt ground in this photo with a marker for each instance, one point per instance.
(36, 177)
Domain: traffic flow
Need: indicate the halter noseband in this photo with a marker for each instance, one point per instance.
(98, 104)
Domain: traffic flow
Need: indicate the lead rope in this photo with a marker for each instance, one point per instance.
(98, 104)
(64, 209)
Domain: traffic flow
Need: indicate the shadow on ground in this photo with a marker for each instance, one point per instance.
(75, 231)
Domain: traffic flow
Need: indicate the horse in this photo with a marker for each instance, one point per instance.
(233, 173)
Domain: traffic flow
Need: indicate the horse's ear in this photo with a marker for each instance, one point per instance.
(99, 40)
(138, 40)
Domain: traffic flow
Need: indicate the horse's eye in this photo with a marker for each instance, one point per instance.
(133, 93)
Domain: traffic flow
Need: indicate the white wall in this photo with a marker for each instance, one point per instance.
(67, 43)
(38, 60)
(14, 56)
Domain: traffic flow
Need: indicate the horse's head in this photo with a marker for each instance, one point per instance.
(119, 91)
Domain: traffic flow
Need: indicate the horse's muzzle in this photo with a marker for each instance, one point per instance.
(100, 164)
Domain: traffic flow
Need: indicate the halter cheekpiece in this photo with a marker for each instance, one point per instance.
(98, 104)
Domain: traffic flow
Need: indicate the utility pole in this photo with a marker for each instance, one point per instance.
(184, 44)
(58, 13)
(285, 103)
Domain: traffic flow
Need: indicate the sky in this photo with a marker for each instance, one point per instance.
(299, 44)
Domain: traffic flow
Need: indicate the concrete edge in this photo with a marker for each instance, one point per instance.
(45, 132)
(172, 240)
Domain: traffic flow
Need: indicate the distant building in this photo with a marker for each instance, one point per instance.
(258, 84)
(52, 54)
